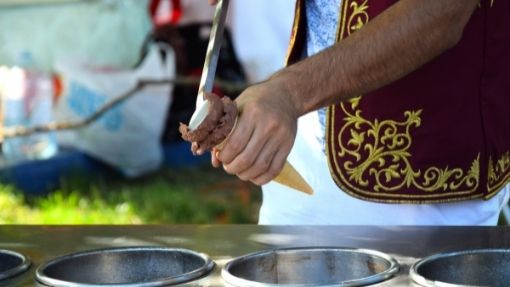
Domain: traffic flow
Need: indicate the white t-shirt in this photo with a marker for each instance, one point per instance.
(331, 205)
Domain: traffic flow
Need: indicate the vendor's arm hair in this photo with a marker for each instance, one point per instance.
(401, 39)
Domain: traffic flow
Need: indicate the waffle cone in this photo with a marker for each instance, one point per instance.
(288, 176)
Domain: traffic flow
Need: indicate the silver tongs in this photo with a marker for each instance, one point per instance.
(210, 64)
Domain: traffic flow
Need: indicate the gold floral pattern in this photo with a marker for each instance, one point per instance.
(371, 158)
(498, 173)
(358, 17)
(376, 156)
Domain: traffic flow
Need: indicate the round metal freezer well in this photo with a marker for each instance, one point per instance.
(483, 267)
(126, 266)
(318, 266)
(12, 264)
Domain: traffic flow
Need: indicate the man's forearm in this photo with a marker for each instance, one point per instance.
(395, 43)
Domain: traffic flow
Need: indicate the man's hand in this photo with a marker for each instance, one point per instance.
(261, 141)
(212, 2)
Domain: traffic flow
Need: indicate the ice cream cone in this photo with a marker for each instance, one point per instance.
(288, 176)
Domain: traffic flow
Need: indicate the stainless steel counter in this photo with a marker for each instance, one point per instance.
(225, 242)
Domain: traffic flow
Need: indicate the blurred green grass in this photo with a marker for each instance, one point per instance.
(186, 196)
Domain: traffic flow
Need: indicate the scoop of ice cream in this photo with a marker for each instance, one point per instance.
(216, 126)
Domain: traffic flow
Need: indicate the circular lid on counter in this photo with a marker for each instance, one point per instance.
(125, 266)
(482, 267)
(317, 266)
(12, 264)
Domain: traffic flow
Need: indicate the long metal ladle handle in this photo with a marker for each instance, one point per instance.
(213, 48)
(210, 64)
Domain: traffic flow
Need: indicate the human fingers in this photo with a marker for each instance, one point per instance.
(237, 141)
(272, 119)
(282, 141)
(257, 146)
(213, 2)
(261, 163)
(272, 134)
(274, 169)
(214, 158)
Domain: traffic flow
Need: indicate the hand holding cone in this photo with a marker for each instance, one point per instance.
(214, 129)
(288, 176)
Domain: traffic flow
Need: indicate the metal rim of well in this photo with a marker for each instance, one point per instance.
(379, 277)
(425, 282)
(20, 268)
(196, 274)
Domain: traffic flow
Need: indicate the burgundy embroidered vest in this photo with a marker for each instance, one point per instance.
(440, 134)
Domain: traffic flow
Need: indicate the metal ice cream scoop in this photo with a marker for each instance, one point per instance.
(211, 61)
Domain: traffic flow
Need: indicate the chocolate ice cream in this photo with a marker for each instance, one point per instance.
(215, 127)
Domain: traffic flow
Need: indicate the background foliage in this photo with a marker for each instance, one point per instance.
(188, 196)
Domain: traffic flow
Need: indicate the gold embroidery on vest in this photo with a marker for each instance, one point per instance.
(293, 35)
(498, 173)
(376, 156)
(358, 17)
(378, 152)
